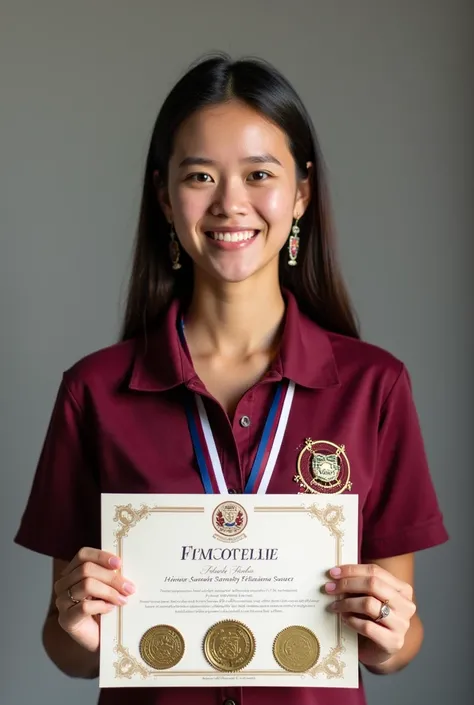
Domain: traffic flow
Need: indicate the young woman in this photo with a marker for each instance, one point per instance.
(235, 291)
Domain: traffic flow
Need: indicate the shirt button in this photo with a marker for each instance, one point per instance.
(245, 422)
(229, 701)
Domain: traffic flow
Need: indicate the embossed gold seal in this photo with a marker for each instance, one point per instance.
(162, 646)
(296, 649)
(229, 646)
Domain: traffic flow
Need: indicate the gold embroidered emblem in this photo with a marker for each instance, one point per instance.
(323, 468)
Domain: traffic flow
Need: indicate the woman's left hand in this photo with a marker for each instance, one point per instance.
(364, 589)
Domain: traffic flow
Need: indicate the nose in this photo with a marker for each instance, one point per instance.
(230, 199)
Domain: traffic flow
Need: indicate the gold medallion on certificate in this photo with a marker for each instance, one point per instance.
(229, 646)
(162, 647)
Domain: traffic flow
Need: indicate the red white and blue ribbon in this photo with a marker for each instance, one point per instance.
(205, 448)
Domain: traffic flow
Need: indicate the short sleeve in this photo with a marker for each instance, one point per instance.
(401, 514)
(62, 513)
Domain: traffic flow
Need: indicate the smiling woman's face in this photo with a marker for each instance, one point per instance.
(232, 191)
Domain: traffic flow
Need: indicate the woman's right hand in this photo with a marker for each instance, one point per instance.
(89, 587)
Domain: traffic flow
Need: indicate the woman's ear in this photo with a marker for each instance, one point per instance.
(303, 192)
(162, 196)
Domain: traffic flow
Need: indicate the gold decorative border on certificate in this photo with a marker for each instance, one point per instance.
(127, 517)
(128, 666)
(331, 516)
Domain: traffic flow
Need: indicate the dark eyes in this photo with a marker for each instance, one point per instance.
(203, 178)
(263, 175)
(199, 178)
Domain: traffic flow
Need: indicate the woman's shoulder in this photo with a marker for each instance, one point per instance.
(363, 353)
(365, 361)
(353, 359)
(106, 367)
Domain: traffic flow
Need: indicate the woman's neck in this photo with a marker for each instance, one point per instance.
(234, 320)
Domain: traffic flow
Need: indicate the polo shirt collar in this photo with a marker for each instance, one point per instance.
(160, 362)
(306, 355)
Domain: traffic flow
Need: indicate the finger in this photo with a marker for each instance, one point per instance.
(94, 555)
(72, 618)
(375, 595)
(367, 606)
(365, 570)
(91, 589)
(88, 570)
(390, 640)
(370, 607)
(368, 585)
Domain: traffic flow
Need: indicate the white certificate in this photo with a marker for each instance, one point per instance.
(229, 590)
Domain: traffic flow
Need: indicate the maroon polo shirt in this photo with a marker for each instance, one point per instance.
(119, 425)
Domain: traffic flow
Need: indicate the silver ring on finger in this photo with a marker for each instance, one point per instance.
(384, 611)
(72, 598)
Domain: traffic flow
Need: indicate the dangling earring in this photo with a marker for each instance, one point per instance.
(175, 250)
(294, 244)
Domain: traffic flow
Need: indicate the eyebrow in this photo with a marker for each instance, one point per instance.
(257, 159)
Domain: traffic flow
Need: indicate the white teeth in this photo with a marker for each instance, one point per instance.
(234, 237)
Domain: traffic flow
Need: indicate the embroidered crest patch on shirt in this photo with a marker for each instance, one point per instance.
(323, 468)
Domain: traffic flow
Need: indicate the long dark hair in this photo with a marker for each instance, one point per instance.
(316, 282)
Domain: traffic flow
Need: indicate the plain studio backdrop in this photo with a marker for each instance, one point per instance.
(389, 85)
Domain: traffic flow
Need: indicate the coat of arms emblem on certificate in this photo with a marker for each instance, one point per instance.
(229, 520)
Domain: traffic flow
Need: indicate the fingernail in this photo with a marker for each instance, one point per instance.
(333, 606)
(114, 562)
(335, 572)
(123, 600)
(330, 587)
(129, 588)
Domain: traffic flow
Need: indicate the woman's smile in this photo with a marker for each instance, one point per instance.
(231, 239)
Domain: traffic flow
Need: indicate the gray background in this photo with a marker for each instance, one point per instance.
(389, 85)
